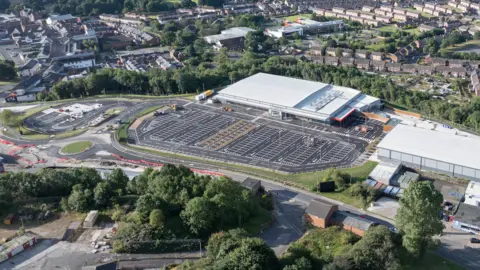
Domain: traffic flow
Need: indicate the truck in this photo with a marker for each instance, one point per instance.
(204, 95)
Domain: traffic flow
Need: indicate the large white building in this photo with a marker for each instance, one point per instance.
(432, 150)
(290, 97)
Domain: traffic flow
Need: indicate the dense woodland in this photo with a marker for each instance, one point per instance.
(166, 204)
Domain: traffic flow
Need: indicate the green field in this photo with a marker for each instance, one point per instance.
(76, 147)
(293, 18)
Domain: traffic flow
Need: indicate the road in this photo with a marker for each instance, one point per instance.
(290, 202)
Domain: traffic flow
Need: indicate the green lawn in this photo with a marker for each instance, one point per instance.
(149, 110)
(293, 18)
(431, 261)
(388, 28)
(471, 44)
(76, 147)
(114, 111)
(426, 15)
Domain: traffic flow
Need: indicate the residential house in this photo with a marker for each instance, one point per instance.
(424, 28)
(395, 57)
(453, 4)
(456, 63)
(380, 12)
(331, 60)
(372, 23)
(361, 54)
(425, 70)
(377, 56)
(330, 51)
(369, 16)
(378, 65)
(418, 6)
(458, 72)
(347, 52)
(80, 60)
(317, 59)
(362, 64)
(315, 50)
(443, 70)
(400, 17)
(347, 61)
(435, 61)
(409, 68)
(30, 68)
(386, 8)
(413, 14)
(355, 13)
(367, 8)
(393, 67)
(430, 5)
(338, 10)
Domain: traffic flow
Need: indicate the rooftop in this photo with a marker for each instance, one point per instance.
(292, 93)
(319, 208)
(250, 183)
(434, 145)
(234, 32)
(352, 220)
(468, 214)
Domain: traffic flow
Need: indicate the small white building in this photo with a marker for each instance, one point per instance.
(472, 193)
(90, 219)
(30, 68)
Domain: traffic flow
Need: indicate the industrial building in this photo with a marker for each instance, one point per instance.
(430, 150)
(304, 26)
(286, 97)
(231, 39)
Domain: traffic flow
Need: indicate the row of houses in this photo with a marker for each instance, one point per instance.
(382, 66)
(345, 52)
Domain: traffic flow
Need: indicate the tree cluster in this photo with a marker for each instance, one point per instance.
(176, 202)
(45, 183)
(97, 7)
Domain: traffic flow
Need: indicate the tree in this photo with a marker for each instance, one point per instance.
(476, 35)
(200, 216)
(333, 174)
(252, 253)
(102, 194)
(376, 250)
(21, 231)
(8, 117)
(79, 199)
(418, 216)
(157, 218)
(117, 180)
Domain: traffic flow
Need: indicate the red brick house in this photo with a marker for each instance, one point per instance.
(319, 212)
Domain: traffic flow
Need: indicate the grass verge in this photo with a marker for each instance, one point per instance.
(305, 181)
(76, 147)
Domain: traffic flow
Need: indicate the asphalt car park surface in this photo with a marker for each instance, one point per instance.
(271, 144)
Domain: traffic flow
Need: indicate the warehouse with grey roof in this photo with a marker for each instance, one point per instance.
(286, 97)
(431, 150)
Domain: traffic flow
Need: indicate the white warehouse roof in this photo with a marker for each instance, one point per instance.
(434, 145)
(294, 96)
(278, 90)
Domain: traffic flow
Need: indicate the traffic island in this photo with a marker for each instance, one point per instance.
(76, 148)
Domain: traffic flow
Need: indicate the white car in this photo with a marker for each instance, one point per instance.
(95, 251)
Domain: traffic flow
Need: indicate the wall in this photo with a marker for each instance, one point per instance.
(429, 164)
(315, 221)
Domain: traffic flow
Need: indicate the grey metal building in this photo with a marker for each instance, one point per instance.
(432, 151)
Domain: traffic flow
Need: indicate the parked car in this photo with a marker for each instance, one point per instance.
(474, 240)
